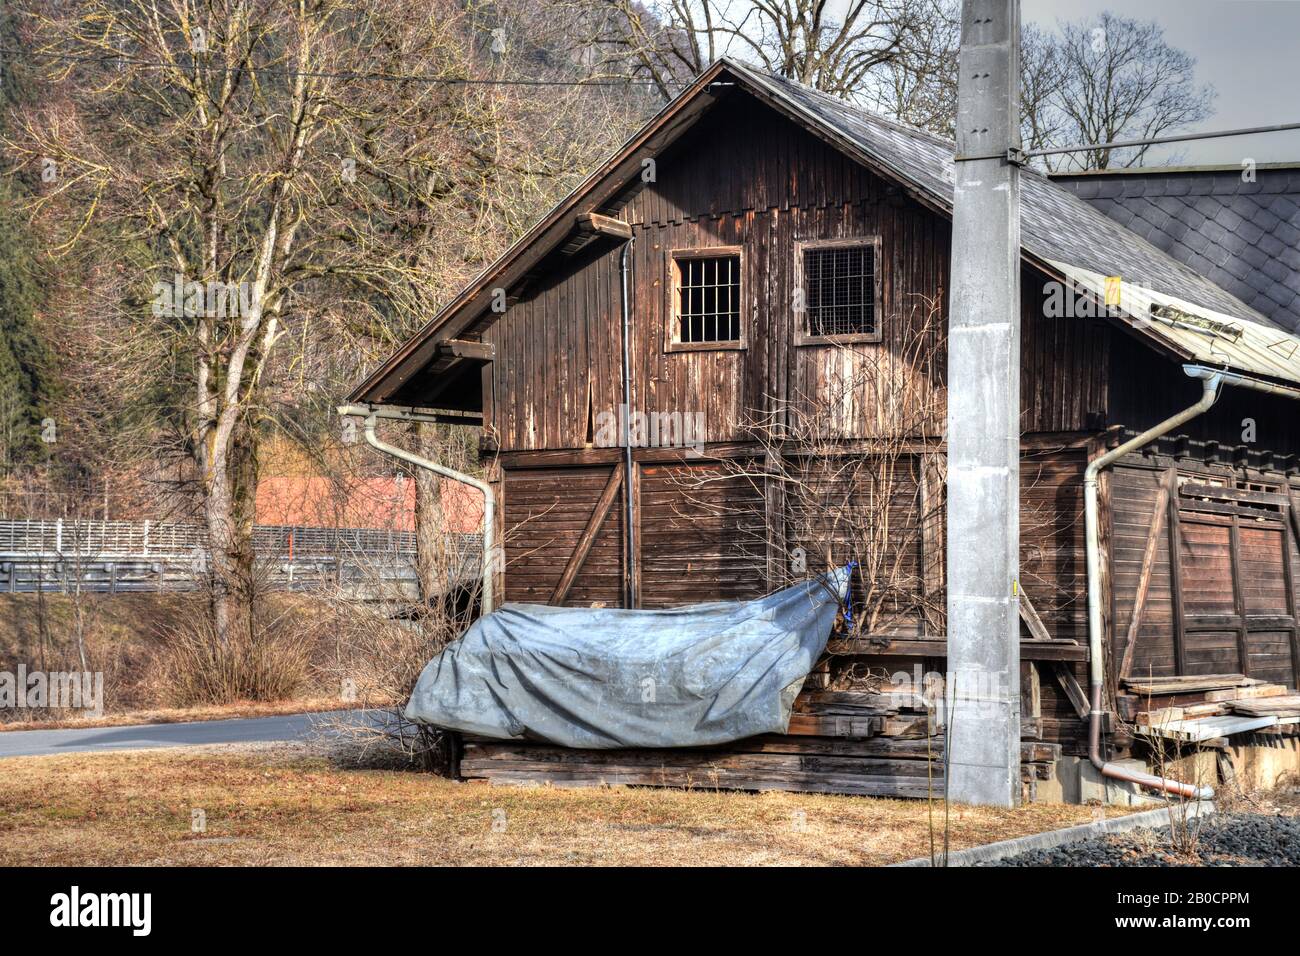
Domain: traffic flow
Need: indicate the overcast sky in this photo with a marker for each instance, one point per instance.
(1248, 50)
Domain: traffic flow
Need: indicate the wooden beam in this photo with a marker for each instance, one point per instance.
(1216, 493)
(1289, 576)
(1031, 697)
(1029, 614)
(466, 349)
(589, 533)
(1070, 684)
(605, 225)
(1053, 650)
(1176, 575)
(1144, 578)
(1239, 593)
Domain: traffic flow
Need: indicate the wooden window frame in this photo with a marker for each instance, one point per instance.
(672, 334)
(802, 335)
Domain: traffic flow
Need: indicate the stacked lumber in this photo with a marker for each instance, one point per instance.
(776, 762)
(1279, 706)
(1198, 708)
(851, 742)
(889, 714)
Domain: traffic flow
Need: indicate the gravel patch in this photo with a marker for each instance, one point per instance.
(1239, 839)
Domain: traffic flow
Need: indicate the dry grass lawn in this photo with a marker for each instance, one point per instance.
(280, 804)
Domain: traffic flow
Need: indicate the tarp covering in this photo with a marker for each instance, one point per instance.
(607, 677)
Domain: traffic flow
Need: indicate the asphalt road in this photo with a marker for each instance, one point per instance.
(31, 743)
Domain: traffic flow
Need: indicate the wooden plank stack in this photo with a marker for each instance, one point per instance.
(1198, 708)
(848, 742)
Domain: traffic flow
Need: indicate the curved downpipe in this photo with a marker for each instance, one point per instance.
(486, 602)
(1211, 382)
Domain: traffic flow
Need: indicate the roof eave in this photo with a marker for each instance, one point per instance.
(470, 302)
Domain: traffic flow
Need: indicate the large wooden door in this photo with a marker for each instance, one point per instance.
(1204, 575)
(1234, 573)
(564, 535)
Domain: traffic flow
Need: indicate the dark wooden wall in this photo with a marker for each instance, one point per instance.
(754, 180)
(1144, 390)
(1221, 594)
(746, 177)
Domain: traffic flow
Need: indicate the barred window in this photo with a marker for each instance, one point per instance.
(839, 285)
(708, 299)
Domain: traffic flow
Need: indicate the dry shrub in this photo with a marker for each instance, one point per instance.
(376, 664)
(195, 667)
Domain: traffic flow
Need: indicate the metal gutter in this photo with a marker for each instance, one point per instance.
(486, 567)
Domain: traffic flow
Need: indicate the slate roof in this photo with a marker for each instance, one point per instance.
(1057, 227)
(1244, 237)
(1055, 224)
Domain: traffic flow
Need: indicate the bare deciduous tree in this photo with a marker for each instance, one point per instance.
(920, 88)
(239, 178)
(1091, 81)
(1120, 79)
(835, 48)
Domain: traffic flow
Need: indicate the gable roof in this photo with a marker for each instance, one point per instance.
(1243, 236)
(1057, 228)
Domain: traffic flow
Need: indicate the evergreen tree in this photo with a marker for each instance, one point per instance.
(24, 357)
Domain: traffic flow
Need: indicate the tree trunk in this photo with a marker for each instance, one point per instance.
(432, 557)
(230, 511)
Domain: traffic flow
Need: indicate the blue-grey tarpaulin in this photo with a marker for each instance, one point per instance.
(608, 677)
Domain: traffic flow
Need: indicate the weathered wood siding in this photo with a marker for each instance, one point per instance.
(702, 535)
(544, 512)
(1222, 592)
(755, 181)
(1053, 559)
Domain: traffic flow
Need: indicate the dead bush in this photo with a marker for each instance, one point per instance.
(194, 666)
(378, 652)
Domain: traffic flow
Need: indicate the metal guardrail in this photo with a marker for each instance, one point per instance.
(120, 556)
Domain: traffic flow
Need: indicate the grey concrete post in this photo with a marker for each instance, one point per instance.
(984, 415)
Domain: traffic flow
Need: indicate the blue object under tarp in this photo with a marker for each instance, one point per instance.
(598, 678)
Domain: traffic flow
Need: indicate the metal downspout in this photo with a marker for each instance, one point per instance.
(486, 601)
(626, 429)
(1212, 380)
(1096, 669)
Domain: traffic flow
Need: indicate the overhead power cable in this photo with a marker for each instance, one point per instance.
(614, 82)
(1160, 140)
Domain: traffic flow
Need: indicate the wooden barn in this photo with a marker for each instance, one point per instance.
(718, 366)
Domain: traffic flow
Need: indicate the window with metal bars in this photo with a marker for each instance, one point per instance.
(840, 289)
(708, 299)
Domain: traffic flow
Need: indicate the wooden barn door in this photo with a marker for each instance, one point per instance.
(564, 535)
(702, 536)
(1234, 578)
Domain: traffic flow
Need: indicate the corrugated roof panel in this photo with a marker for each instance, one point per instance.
(1210, 337)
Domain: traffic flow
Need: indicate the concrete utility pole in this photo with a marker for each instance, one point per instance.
(984, 414)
